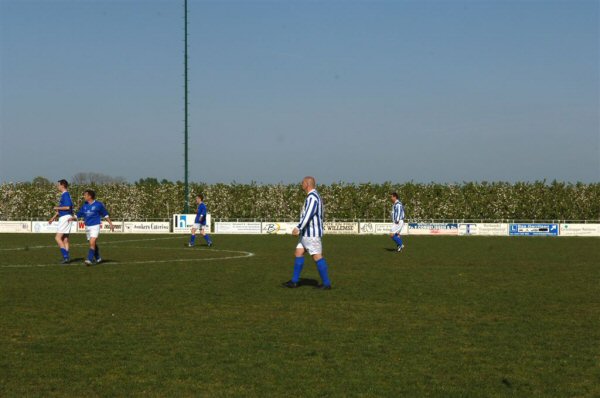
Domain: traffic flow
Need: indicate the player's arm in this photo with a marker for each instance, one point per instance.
(54, 217)
(104, 213)
(311, 208)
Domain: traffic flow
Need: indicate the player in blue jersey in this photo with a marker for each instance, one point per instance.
(64, 212)
(92, 212)
(310, 230)
(200, 222)
(398, 221)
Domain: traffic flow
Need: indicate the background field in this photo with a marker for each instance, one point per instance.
(448, 317)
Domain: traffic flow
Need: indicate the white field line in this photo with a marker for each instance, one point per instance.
(103, 243)
(242, 254)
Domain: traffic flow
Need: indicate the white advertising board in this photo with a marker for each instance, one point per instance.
(237, 227)
(432, 229)
(42, 227)
(15, 226)
(483, 229)
(380, 228)
(183, 223)
(142, 227)
(579, 230)
(333, 227)
(277, 228)
(104, 227)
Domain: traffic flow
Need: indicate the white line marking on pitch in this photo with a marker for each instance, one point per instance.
(243, 254)
(85, 244)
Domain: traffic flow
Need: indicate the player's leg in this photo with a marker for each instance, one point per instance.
(91, 251)
(206, 236)
(395, 235)
(92, 235)
(59, 238)
(298, 265)
(315, 249)
(192, 241)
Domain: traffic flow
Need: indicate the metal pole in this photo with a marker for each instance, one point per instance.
(185, 61)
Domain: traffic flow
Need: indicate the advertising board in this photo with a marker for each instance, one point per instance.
(142, 227)
(533, 230)
(579, 230)
(334, 227)
(379, 228)
(15, 226)
(182, 223)
(42, 227)
(432, 229)
(277, 228)
(483, 229)
(104, 227)
(237, 227)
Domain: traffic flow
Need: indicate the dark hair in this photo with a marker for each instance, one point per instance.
(200, 196)
(395, 194)
(91, 193)
(64, 183)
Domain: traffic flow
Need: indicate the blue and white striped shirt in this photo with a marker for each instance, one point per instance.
(397, 212)
(311, 219)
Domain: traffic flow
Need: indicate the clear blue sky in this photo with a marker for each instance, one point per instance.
(355, 91)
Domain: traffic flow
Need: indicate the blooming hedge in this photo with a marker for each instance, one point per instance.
(343, 201)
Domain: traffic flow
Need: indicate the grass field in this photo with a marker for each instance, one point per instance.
(449, 317)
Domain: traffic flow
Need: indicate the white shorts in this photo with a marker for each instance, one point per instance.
(311, 245)
(199, 227)
(64, 224)
(397, 228)
(92, 231)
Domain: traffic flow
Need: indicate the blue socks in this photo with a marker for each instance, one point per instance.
(65, 253)
(298, 264)
(91, 253)
(322, 268)
(397, 239)
(97, 252)
(207, 239)
(192, 239)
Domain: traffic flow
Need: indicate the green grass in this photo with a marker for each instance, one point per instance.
(449, 317)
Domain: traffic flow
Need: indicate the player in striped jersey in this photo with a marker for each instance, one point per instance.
(398, 221)
(310, 230)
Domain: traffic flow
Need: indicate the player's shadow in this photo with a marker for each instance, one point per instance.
(390, 250)
(308, 282)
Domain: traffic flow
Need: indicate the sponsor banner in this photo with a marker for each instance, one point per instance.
(533, 230)
(238, 227)
(278, 228)
(579, 230)
(15, 226)
(483, 229)
(379, 228)
(182, 223)
(147, 227)
(104, 226)
(335, 227)
(42, 227)
(432, 229)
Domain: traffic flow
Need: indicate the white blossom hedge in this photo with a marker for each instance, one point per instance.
(472, 201)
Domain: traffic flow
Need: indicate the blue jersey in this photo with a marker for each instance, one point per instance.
(92, 213)
(201, 214)
(65, 200)
(311, 219)
(397, 212)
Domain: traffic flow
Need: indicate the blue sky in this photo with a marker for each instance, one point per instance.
(355, 91)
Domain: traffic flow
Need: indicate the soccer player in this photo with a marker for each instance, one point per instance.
(398, 221)
(92, 212)
(310, 230)
(200, 222)
(64, 212)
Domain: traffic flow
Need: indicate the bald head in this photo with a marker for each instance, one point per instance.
(308, 183)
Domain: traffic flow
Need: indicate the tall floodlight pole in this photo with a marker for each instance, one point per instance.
(185, 78)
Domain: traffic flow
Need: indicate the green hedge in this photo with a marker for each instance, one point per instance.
(491, 201)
